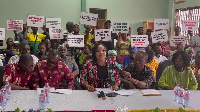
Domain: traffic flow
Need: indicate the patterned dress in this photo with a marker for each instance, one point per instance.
(89, 73)
(54, 76)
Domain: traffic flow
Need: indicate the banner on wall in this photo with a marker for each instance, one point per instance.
(75, 40)
(159, 36)
(189, 25)
(174, 40)
(14, 24)
(161, 24)
(139, 40)
(120, 26)
(103, 34)
(88, 18)
(56, 33)
(2, 34)
(53, 22)
(35, 21)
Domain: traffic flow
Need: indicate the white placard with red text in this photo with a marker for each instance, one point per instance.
(174, 40)
(88, 18)
(189, 25)
(53, 22)
(14, 24)
(2, 34)
(139, 40)
(75, 40)
(56, 33)
(159, 36)
(35, 21)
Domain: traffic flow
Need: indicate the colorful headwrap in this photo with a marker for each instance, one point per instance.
(189, 49)
(134, 49)
(112, 51)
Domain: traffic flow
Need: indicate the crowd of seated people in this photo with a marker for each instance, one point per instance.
(41, 60)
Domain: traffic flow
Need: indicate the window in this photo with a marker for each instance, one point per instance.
(190, 13)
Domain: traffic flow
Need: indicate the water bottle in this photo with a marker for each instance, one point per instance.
(47, 91)
(2, 101)
(175, 98)
(186, 97)
(180, 95)
(3, 90)
(42, 100)
(8, 90)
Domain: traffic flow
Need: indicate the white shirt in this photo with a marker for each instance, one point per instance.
(1, 63)
(160, 59)
(15, 59)
(195, 40)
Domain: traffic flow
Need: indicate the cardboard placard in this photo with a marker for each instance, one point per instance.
(56, 33)
(174, 40)
(2, 34)
(161, 24)
(35, 21)
(88, 18)
(159, 36)
(53, 22)
(14, 24)
(139, 40)
(189, 25)
(103, 34)
(75, 40)
(120, 26)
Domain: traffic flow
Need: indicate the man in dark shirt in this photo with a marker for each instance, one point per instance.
(110, 44)
(138, 74)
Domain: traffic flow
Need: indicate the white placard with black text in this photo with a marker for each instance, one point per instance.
(103, 34)
(120, 26)
(75, 40)
(161, 24)
(88, 18)
(53, 22)
(159, 36)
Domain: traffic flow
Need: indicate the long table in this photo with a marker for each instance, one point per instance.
(82, 100)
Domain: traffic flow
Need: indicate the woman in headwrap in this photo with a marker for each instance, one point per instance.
(130, 58)
(112, 55)
(190, 53)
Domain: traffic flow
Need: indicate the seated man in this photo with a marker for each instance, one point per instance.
(137, 73)
(158, 52)
(52, 71)
(19, 74)
(24, 48)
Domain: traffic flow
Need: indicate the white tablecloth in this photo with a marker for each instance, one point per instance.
(83, 100)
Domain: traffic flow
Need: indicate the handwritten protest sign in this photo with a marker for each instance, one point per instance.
(35, 21)
(14, 24)
(53, 22)
(120, 26)
(88, 18)
(2, 34)
(75, 40)
(56, 33)
(159, 36)
(189, 25)
(103, 34)
(174, 40)
(161, 24)
(139, 40)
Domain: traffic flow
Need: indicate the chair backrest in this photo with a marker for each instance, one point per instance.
(1, 74)
(161, 68)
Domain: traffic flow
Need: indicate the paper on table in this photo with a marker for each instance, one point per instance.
(105, 90)
(150, 92)
(126, 92)
(39, 90)
(64, 91)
